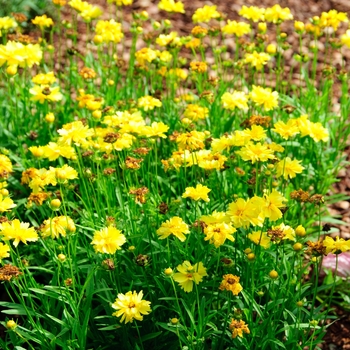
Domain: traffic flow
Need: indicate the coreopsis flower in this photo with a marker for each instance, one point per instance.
(299, 26)
(318, 132)
(231, 283)
(177, 73)
(205, 14)
(256, 152)
(216, 217)
(264, 97)
(174, 226)
(109, 31)
(6, 203)
(256, 133)
(121, 2)
(4, 251)
(90, 12)
(148, 103)
(277, 14)
(260, 238)
(42, 21)
(253, 13)
(236, 99)
(345, 38)
(108, 240)
(42, 93)
(273, 203)
(65, 173)
(53, 151)
(337, 246)
(59, 2)
(192, 140)
(87, 73)
(188, 274)
(5, 166)
(257, 59)
(286, 130)
(131, 306)
(44, 78)
(171, 6)
(288, 168)
(37, 198)
(145, 55)
(332, 18)
(236, 28)
(18, 231)
(7, 23)
(209, 160)
(197, 193)
(74, 133)
(217, 233)
(238, 328)
(157, 129)
(57, 226)
(243, 213)
(198, 67)
(167, 39)
(195, 112)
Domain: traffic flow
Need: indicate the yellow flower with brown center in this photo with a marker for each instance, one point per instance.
(217, 233)
(231, 283)
(42, 21)
(57, 226)
(256, 152)
(131, 306)
(288, 168)
(238, 328)
(197, 193)
(192, 140)
(337, 246)
(5, 166)
(108, 240)
(188, 274)
(42, 93)
(174, 226)
(18, 231)
(260, 238)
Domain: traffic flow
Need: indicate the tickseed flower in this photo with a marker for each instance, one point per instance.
(188, 274)
(238, 328)
(108, 240)
(59, 2)
(217, 233)
(157, 129)
(260, 238)
(5, 166)
(145, 55)
(253, 13)
(65, 173)
(18, 231)
(148, 103)
(171, 6)
(273, 203)
(109, 31)
(243, 213)
(7, 23)
(195, 112)
(332, 18)
(4, 251)
(256, 133)
(131, 306)
(174, 226)
(345, 38)
(237, 28)
(121, 2)
(192, 140)
(6, 203)
(205, 14)
(74, 133)
(44, 93)
(199, 67)
(288, 168)
(277, 14)
(337, 246)
(286, 130)
(42, 21)
(318, 132)
(197, 193)
(231, 283)
(57, 226)
(256, 152)
(236, 99)
(257, 59)
(264, 97)
(44, 78)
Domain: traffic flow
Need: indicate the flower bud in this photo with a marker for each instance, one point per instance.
(273, 274)
(168, 271)
(61, 257)
(55, 203)
(11, 325)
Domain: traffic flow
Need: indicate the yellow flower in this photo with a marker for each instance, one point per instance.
(192, 140)
(256, 133)
(174, 226)
(42, 21)
(318, 132)
(205, 14)
(108, 240)
(57, 226)
(236, 99)
(216, 217)
(243, 213)
(337, 246)
(76, 133)
(155, 130)
(231, 283)
(7, 23)
(257, 59)
(65, 173)
(44, 78)
(110, 31)
(195, 112)
(252, 12)
(188, 274)
(260, 238)
(148, 103)
(131, 306)
(18, 231)
(44, 93)
(299, 26)
(217, 233)
(199, 67)
(277, 14)
(238, 328)
(288, 168)
(59, 2)
(52, 151)
(5, 166)
(256, 152)
(345, 38)
(6, 203)
(287, 231)
(145, 55)
(273, 203)
(264, 97)
(4, 251)
(171, 6)
(237, 28)
(332, 19)
(286, 130)
(200, 192)
(121, 2)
